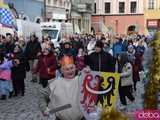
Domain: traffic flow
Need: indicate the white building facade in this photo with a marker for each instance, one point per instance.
(58, 10)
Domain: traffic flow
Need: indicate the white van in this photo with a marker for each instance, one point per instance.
(57, 31)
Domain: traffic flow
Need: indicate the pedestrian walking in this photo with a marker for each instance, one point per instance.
(126, 78)
(64, 91)
(21, 66)
(80, 64)
(33, 47)
(46, 67)
(100, 60)
(6, 87)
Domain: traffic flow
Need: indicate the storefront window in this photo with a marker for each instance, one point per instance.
(49, 2)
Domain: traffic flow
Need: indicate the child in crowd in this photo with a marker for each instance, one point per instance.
(46, 67)
(19, 70)
(80, 60)
(126, 79)
(6, 87)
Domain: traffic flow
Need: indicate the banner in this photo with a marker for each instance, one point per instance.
(6, 16)
(98, 90)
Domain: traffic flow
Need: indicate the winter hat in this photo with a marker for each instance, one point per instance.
(99, 44)
(67, 43)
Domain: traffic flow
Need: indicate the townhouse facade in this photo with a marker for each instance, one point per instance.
(152, 15)
(57, 10)
(81, 15)
(118, 16)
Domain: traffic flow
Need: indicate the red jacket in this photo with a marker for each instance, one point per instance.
(46, 66)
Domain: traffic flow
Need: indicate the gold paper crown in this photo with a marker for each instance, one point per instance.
(66, 60)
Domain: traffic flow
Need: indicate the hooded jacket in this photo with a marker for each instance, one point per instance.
(47, 62)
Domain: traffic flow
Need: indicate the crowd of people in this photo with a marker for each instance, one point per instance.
(121, 53)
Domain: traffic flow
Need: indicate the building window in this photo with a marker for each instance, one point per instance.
(133, 8)
(151, 4)
(121, 7)
(107, 7)
(49, 2)
(55, 3)
(60, 3)
(68, 4)
(65, 4)
(95, 7)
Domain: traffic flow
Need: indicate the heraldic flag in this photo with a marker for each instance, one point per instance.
(99, 90)
(6, 16)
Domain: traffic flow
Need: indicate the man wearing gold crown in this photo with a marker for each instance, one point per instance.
(63, 92)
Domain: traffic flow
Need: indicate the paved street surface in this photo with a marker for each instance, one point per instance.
(23, 108)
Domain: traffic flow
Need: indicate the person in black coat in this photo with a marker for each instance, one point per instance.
(18, 72)
(100, 60)
(33, 48)
(68, 50)
(9, 43)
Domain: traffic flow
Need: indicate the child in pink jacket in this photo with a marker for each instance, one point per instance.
(5, 77)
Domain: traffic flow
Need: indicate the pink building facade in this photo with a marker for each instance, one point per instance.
(118, 16)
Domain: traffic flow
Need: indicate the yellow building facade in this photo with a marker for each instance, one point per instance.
(1, 1)
(152, 15)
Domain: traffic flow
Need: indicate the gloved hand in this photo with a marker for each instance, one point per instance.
(46, 112)
(87, 69)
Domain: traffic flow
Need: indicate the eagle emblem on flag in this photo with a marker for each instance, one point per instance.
(99, 90)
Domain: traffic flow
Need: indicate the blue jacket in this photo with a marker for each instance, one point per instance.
(118, 48)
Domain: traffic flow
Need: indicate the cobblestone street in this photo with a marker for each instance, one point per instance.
(23, 108)
(79, 59)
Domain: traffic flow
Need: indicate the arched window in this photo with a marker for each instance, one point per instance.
(131, 29)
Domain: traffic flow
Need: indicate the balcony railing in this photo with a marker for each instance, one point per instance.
(86, 7)
(83, 5)
(86, 1)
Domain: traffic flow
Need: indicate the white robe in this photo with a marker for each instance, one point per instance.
(66, 92)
